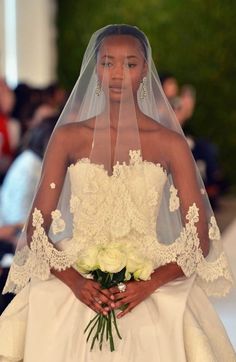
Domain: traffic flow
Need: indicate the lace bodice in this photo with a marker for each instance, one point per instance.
(117, 207)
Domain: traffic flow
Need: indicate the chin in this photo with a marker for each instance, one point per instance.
(115, 98)
(120, 97)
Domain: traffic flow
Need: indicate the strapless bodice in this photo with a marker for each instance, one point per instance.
(114, 207)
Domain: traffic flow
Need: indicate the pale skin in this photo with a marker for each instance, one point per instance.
(116, 54)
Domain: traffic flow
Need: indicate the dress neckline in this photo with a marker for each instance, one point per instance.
(135, 158)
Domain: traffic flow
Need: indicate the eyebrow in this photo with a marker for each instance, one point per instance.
(111, 57)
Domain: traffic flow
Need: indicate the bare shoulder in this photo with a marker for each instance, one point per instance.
(172, 140)
(76, 138)
(160, 134)
(76, 134)
(76, 128)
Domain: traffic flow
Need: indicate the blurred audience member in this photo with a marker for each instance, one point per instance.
(56, 96)
(9, 128)
(188, 101)
(17, 194)
(33, 104)
(41, 112)
(205, 153)
(169, 84)
(23, 175)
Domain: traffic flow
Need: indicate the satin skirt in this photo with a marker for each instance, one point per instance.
(177, 323)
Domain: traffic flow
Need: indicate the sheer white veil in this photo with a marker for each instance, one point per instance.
(120, 127)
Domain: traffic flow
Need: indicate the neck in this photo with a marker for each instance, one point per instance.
(127, 115)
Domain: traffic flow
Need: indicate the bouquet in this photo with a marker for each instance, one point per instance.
(110, 266)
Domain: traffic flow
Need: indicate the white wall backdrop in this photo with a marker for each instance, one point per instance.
(35, 39)
(1, 38)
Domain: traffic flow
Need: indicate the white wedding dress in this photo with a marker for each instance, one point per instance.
(45, 322)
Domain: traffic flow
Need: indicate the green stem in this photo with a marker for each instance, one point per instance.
(107, 326)
(100, 325)
(97, 333)
(92, 328)
(102, 332)
(96, 316)
(112, 348)
(115, 324)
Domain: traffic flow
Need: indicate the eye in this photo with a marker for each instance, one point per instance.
(107, 64)
(131, 65)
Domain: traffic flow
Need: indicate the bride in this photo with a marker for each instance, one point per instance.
(118, 170)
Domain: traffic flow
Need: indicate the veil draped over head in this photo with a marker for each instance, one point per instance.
(118, 168)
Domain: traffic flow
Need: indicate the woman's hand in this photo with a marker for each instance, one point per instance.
(135, 293)
(138, 291)
(87, 291)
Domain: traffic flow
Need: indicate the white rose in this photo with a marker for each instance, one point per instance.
(112, 258)
(134, 261)
(88, 260)
(145, 271)
(127, 275)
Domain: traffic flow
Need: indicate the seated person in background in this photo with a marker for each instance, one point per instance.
(9, 128)
(23, 175)
(169, 84)
(205, 153)
(16, 196)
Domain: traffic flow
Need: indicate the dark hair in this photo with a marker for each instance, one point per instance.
(166, 75)
(39, 136)
(122, 29)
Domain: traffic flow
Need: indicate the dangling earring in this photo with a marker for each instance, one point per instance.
(98, 89)
(143, 91)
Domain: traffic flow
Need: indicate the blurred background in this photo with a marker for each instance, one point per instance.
(41, 47)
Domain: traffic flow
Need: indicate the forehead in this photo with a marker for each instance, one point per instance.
(120, 45)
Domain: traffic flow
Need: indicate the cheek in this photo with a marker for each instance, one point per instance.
(136, 79)
(103, 75)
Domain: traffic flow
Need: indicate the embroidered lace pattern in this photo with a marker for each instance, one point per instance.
(58, 224)
(37, 260)
(214, 232)
(101, 215)
(174, 199)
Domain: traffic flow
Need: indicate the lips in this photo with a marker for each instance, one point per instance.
(116, 89)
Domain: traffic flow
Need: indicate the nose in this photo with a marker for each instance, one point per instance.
(118, 71)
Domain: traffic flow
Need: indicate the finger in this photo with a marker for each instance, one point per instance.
(95, 285)
(95, 306)
(91, 306)
(120, 296)
(104, 299)
(114, 290)
(127, 310)
(99, 308)
(106, 294)
(98, 300)
(122, 302)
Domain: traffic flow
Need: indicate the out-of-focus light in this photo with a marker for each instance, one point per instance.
(10, 42)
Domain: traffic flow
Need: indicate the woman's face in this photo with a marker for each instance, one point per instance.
(121, 66)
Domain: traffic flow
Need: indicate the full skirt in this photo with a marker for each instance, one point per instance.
(177, 323)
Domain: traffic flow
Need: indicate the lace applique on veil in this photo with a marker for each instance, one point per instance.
(42, 255)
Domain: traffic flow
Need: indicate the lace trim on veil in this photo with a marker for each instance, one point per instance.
(37, 260)
(212, 272)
